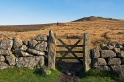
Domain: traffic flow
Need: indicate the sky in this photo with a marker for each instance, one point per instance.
(23, 12)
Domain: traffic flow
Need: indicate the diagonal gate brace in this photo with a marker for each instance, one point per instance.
(70, 50)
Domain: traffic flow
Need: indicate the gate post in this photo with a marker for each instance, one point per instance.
(51, 50)
(86, 54)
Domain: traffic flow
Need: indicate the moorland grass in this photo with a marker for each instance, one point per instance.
(34, 75)
(27, 75)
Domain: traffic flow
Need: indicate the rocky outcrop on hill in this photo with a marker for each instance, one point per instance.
(93, 18)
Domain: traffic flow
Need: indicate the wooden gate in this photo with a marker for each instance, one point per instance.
(70, 48)
(85, 49)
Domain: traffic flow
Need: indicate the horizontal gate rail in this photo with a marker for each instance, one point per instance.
(69, 37)
(69, 45)
(69, 58)
(69, 52)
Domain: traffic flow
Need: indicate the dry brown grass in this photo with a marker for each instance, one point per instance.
(98, 29)
(101, 31)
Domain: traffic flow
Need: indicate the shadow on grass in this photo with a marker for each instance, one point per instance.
(38, 71)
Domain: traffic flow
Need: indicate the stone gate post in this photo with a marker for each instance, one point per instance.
(51, 50)
(86, 52)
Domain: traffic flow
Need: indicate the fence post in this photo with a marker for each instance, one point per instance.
(51, 50)
(86, 54)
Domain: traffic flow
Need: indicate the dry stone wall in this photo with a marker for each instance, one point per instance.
(42, 50)
(22, 53)
(108, 57)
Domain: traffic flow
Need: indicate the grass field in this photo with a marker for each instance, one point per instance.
(29, 75)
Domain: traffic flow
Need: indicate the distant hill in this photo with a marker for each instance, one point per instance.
(24, 28)
(102, 30)
(92, 18)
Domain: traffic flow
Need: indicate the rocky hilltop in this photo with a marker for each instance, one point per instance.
(93, 18)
